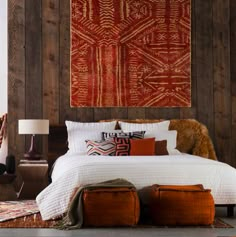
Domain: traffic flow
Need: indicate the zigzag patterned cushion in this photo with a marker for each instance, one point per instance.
(122, 146)
(133, 135)
(101, 148)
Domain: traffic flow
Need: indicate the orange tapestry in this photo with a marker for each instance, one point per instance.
(130, 53)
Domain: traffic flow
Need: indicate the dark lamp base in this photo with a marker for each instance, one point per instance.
(29, 156)
(32, 154)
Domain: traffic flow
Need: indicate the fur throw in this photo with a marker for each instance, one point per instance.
(193, 137)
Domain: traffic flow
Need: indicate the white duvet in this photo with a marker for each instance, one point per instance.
(72, 170)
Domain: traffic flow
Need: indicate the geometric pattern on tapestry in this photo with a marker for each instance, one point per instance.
(101, 148)
(132, 53)
(133, 135)
(122, 146)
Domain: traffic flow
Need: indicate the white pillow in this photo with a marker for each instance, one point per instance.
(131, 127)
(79, 132)
(71, 125)
(170, 136)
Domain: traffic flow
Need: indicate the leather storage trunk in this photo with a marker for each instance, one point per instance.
(110, 207)
(181, 205)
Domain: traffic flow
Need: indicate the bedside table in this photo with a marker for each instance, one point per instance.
(7, 191)
(35, 178)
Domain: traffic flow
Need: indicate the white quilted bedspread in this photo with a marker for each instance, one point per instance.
(74, 170)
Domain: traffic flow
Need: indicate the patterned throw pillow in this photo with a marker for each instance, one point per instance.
(133, 135)
(122, 146)
(101, 148)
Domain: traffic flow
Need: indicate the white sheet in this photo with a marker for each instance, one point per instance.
(72, 170)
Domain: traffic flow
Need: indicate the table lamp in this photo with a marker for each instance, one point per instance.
(33, 127)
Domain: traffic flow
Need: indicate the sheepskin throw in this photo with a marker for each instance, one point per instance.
(130, 53)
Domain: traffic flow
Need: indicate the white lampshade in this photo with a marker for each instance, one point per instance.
(33, 126)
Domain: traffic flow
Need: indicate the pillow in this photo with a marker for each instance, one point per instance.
(77, 144)
(161, 148)
(170, 136)
(142, 147)
(133, 135)
(122, 146)
(79, 132)
(130, 127)
(71, 125)
(101, 148)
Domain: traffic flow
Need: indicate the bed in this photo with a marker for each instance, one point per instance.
(197, 164)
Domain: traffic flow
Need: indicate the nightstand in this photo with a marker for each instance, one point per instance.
(35, 178)
(7, 191)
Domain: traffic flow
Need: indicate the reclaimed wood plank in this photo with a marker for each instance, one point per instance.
(136, 113)
(204, 64)
(33, 72)
(221, 75)
(102, 113)
(16, 75)
(16, 80)
(85, 114)
(186, 113)
(233, 78)
(66, 112)
(162, 113)
(50, 69)
(119, 113)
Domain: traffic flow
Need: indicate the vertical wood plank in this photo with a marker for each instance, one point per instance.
(16, 79)
(233, 78)
(102, 113)
(136, 113)
(33, 73)
(119, 113)
(186, 113)
(162, 113)
(221, 66)
(16, 75)
(66, 112)
(50, 30)
(204, 63)
(85, 114)
(50, 69)
(152, 113)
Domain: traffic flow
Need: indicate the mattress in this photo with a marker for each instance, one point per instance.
(73, 170)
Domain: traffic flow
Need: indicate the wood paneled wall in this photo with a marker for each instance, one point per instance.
(39, 42)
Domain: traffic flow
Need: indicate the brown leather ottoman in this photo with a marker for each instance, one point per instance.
(110, 207)
(181, 205)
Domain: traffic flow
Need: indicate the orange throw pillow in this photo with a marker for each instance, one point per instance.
(142, 147)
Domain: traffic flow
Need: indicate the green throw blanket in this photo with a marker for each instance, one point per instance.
(74, 215)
